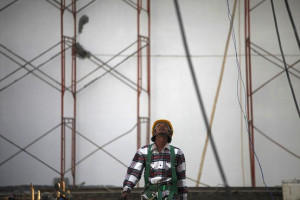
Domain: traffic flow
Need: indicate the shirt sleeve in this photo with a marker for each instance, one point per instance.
(181, 175)
(134, 171)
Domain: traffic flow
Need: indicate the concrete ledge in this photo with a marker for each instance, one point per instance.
(113, 193)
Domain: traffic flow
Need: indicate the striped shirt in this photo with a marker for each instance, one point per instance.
(160, 169)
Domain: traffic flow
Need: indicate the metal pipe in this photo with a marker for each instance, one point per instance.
(249, 91)
(149, 72)
(139, 2)
(62, 152)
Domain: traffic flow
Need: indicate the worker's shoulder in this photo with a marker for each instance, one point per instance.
(143, 149)
(146, 146)
(177, 150)
(175, 147)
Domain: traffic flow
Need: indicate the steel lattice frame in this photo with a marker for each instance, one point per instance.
(250, 46)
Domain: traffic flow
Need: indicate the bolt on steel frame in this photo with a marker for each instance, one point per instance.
(68, 120)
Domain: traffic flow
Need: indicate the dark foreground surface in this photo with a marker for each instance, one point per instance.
(113, 193)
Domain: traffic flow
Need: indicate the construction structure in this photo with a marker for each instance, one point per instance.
(103, 91)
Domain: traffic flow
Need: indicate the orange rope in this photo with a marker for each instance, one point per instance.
(216, 97)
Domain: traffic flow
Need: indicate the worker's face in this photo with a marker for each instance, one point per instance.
(162, 130)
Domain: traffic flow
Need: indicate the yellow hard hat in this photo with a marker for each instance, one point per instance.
(162, 121)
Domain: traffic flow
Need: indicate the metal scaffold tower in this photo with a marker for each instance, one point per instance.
(253, 48)
(67, 86)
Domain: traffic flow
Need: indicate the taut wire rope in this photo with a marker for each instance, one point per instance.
(293, 23)
(281, 146)
(201, 104)
(283, 59)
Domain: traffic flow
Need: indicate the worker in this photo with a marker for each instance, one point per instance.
(164, 166)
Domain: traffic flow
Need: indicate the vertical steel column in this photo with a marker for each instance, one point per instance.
(140, 40)
(139, 73)
(63, 144)
(68, 120)
(249, 91)
(148, 72)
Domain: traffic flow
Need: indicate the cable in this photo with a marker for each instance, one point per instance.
(245, 117)
(101, 147)
(8, 5)
(292, 21)
(279, 145)
(30, 154)
(283, 59)
(216, 95)
(200, 99)
(241, 115)
(24, 148)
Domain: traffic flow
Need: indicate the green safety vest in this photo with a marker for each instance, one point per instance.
(159, 188)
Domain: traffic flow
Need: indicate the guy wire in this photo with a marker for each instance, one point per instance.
(200, 98)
